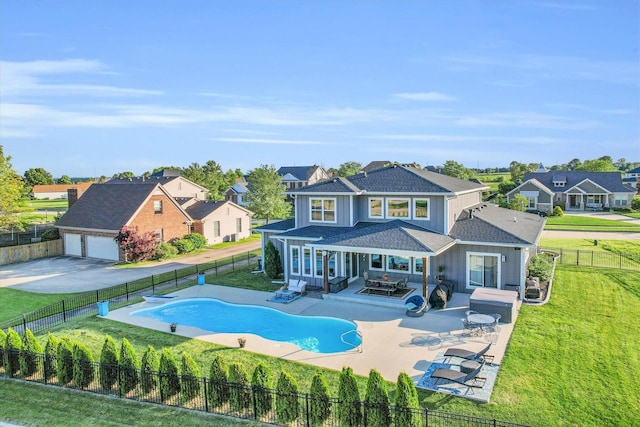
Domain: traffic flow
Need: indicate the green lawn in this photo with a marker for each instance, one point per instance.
(52, 205)
(632, 214)
(14, 303)
(618, 246)
(584, 223)
(253, 238)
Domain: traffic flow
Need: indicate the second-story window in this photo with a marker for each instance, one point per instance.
(323, 210)
(397, 208)
(216, 228)
(420, 208)
(375, 207)
(157, 206)
(238, 225)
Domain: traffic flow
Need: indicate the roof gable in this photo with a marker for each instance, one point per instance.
(203, 208)
(587, 186)
(298, 173)
(611, 181)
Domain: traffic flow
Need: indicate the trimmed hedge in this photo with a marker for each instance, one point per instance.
(218, 393)
(320, 408)
(239, 396)
(287, 405)
(197, 240)
(150, 365)
(262, 383)
(12, 347)
(349, 407)
(108, 364)
(128, 377)
(83, 373)
(50, 356)
(406, 399)
(190, 384)
(377, 397)
(31, 348)
(169, 379)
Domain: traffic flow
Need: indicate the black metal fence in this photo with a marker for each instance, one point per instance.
(15, 238)
(85, 305)
(236, 400)
(601, 259)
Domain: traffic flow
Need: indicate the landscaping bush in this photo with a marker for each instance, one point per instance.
(30, 354)
(406, 399)
(137, 247)
(183, 246)
(3, 341)
(518, 203)
(197, 239)
(349, 406)
(108, 364)
(148, 370)
(12, 347)
(50, 234)
(377, 398)
(272, 263)
(129, 367)
(50, 351)
(635, 203)
(320, 406)
(82, 366)
(64, 361)
(169, 380)
(239, 396)
(287, 405)
(557, 211)
(165, 250)
(262, 382)
(541, 266)
(218, 382)
(190, 383)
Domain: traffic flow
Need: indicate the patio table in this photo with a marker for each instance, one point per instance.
(481, 319)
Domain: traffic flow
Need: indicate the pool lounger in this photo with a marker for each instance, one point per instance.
(157, 298)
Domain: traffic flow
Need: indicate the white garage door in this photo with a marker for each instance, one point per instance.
(72, 244)
(102, 247)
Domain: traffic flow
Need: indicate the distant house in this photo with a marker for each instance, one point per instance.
(236, 193)
(573, 190)
(91, 223)
(379, 164)
(632, 178)
(222, 221)
(176, 185)
(58, 191)
(301, 176)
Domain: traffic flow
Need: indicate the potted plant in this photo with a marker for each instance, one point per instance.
(441, 269)
(173, 327)
(242, 341)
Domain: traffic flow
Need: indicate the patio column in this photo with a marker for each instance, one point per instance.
(325, 271)
(425, 268)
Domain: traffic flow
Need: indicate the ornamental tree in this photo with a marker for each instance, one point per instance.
(137, 247)
(218, 382)
(262, 383)
(149, 369)
(29, 354)
(108, 363)
(378, 412)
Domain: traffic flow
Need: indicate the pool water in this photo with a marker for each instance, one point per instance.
(312, 333)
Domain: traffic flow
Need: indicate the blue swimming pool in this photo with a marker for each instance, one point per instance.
(312, 333)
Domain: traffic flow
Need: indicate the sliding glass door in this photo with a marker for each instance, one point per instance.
(483, 270)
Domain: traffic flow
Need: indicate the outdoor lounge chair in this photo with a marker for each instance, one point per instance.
(296, 285)
(468, 354)
(416, 306)
(470, 380)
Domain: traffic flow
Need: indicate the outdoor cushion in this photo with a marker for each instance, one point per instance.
(410, 306)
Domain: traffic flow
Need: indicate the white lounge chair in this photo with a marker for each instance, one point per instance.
(296, 285)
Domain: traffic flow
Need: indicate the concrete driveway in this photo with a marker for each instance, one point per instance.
(65, 274)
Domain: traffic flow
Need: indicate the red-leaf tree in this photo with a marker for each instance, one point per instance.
(137, 247)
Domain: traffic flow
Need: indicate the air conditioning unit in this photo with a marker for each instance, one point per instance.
(233, 238)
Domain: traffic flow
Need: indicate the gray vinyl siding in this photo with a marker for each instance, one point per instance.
(436, 210)
(302, 206)
(543, 196)
(460, 203)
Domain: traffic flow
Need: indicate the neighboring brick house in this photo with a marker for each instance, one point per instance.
(89, 226)
(221, 221)
(301, 176)
(58, 191)
(406, 222)
(573, 190)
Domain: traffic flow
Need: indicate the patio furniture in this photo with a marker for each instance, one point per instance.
(416, 306)
(468, 354)
(296, 285)
(285, 294)
(487, 300)
(461, 377)
(337, 284)
(472, 328)
(438, 297)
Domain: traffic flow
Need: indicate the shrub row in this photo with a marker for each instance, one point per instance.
(228, 384)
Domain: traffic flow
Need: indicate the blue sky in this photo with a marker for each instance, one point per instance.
(91, 88)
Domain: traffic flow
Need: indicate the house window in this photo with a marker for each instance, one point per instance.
(532, 202)
(157, 206)
(397, 208)
(483, 270)
(295, 260)
(558, 184)
(238, 225)
(420, 208)
(620, 201)
(158, 233)
(375, 208)
(216, 228)
(376, 262)
(318, 260)
(306, 254)
(417, 265)
(323, 210)
(397, 263)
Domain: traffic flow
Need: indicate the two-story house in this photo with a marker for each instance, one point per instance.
(574, 190)
(299, 176)
(404, 221)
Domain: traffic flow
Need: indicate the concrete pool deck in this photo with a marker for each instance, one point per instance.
(392, 341)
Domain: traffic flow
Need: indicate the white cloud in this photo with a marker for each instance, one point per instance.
(526, 120)
(271, 141)
(424, 96)
(540, 140)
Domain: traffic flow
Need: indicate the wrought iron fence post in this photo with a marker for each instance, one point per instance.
(426, 417)
(64, 313)
(175, 276)
(233, 264)
(204, 389)
(306, 404)
(98, 295)
(24, 323)
(215, 265)
(126, 287)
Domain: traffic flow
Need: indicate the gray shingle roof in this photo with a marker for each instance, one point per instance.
(492, 224)
(394, 235)
(611, 181)
(394, 179)
(278, 226)
(303, 173)
(143, 180)
(203, 208)
(107, 207)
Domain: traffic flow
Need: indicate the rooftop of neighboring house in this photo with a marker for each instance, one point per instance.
(168, 172)
(54, 188)
(611, 181)
(300, 173)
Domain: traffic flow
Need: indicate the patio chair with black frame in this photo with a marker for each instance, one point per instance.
(469, 354)
(471, 379)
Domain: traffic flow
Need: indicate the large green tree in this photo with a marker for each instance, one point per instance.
(456, 170)
(603, 164)
(266, 198)
(38, 176)
(211, 176)
(349, 168)
(64, 179)
(517, 171)
(12, 194)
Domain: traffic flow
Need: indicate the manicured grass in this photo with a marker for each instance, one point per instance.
(253, 238)
(52, 205)
(618, 246)
(31, 404)
(632, 214)
(584, 223)
(15, 303)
